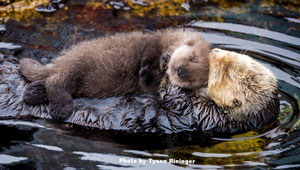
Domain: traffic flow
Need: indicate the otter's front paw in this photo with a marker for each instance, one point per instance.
(164, 60)
(61, 107)
(35, 93)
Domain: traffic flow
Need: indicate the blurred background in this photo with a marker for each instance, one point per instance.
(267, 30)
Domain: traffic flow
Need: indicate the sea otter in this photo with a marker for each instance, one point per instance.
(125, 63)
(187, 70)
(181, 111)
(239, 84)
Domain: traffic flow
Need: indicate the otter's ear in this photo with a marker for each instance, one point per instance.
(190, 42)
(236, 103)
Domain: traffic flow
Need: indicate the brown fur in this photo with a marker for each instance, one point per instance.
(239, 83)
(110, 66)
(188, 66)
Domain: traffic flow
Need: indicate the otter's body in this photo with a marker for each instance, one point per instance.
(102, 67)
(237, 83)
(111, 66)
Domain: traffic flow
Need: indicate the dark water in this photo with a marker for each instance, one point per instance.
(267, 30)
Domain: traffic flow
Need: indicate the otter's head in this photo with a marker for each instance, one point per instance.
(239, 83)
(188, 66)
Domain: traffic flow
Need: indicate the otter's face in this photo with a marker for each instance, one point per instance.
(225, 84)
(187, 68)
(238, 82)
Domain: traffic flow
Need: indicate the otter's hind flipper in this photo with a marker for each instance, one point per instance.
(61, 105)
(33, 70)
(60, 100)
(35, 93)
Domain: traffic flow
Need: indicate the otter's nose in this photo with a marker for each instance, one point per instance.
(215, 50)
(214, 53)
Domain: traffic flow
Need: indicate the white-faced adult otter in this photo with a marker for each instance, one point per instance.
(239, 84)
(111, 66)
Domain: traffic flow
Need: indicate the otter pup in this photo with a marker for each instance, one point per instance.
(239, 84)
(110, 66)
(187, 66)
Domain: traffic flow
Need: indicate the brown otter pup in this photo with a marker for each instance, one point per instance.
(239, 83)
(110, 66)
(187, 66)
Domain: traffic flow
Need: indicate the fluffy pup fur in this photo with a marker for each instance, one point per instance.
(109, 66)
(188, 65)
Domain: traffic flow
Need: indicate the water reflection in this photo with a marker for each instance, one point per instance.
(2, 28)
(51, 148)
(18, 123)
(276, 53)
(249, 30)
(7, 159)
(9, 46)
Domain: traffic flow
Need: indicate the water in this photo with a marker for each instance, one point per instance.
(265, 30)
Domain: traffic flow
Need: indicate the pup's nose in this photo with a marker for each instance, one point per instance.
(180, 72)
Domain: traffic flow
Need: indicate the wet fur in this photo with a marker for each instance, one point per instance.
(110, 66)
(239, 83)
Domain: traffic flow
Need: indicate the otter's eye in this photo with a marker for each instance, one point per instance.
(227, 75)
(236, 103)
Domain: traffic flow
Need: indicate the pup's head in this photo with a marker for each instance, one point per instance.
(188, 66)
(239, 83)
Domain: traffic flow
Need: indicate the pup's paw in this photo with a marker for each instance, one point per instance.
(164, 60)
(35, 93)
(61, 107)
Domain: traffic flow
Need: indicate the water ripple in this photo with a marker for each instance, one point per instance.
(48, 147)
(277, 53)
(9, 46)
(2, 27)
(7, 159)
(249, 30)
(215, 155)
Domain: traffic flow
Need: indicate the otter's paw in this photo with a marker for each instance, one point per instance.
(164, 60)
(61, 107)
(35, 93)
